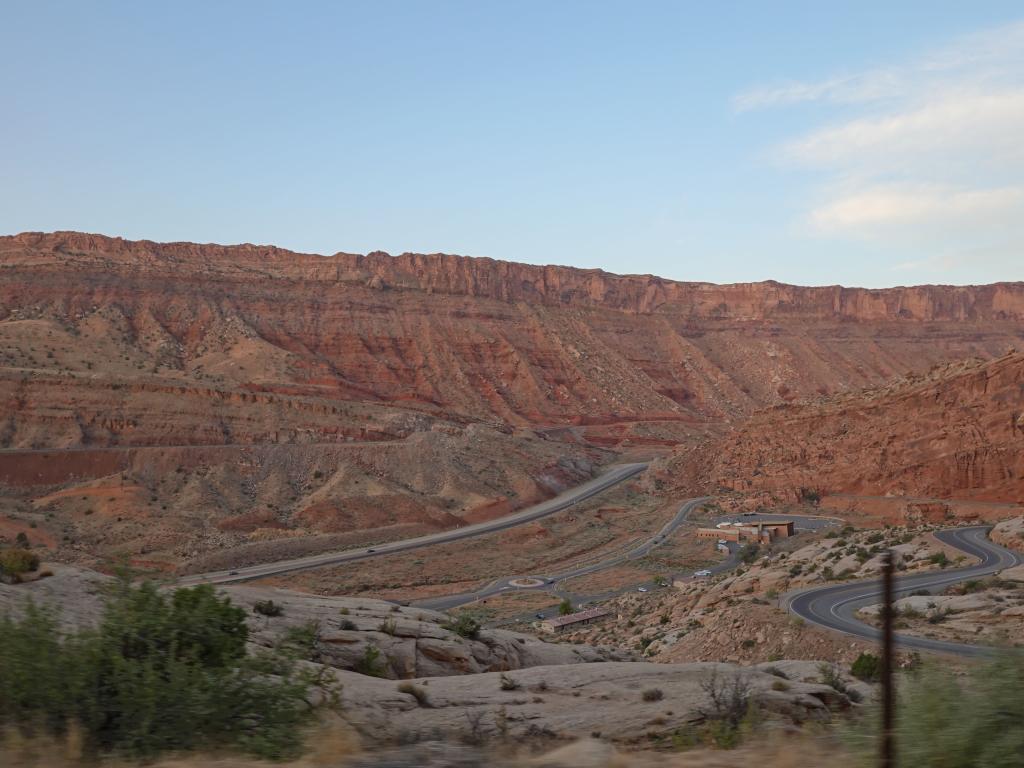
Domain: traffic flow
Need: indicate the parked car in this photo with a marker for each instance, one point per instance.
(539, 615)
(701, 574)
(641, 589)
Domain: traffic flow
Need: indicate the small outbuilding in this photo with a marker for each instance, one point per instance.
(558, 624)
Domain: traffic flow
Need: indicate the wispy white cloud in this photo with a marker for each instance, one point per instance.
(990, 55)
(849, 89)
(928, 154)
(889, 205)
(987, 121)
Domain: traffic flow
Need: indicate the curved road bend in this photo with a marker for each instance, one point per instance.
(564, 500)
(836, 607)
(448, 602)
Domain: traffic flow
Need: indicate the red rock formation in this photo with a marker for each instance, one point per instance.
(158, 390)
(956, 433)
(184, 343)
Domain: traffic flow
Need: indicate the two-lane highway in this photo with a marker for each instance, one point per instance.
(612, 476)
(835, 607)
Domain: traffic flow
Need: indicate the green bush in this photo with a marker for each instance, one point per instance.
(940, 559)
(267, 608)
(944, 718)
(14, 562)
(370, 662)
(565, 607)
(867, 667)
(465, 625)
(160, 673)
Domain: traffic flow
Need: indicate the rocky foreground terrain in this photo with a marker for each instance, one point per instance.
(430, 681)
(412, 642)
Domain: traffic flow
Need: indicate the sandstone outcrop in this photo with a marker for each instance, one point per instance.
(572, 701)
(956, 432)
(413, 642)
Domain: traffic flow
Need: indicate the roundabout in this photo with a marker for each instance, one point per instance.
(527, 582)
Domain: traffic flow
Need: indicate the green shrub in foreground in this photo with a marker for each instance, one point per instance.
(159, 673)
(942, 719)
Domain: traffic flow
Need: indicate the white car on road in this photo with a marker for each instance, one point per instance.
(702, 574)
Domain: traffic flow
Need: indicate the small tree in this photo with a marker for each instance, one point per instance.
(729, 698)
(565, 607)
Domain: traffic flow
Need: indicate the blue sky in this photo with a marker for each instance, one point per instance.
(873, 144)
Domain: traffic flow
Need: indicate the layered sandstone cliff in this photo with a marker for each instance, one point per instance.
(167, 401)
(957, 432)
(510, 281)
(171, 343)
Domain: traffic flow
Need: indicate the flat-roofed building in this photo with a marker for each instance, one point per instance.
(762, 531)
(558, 624)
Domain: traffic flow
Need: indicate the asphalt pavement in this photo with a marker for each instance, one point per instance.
(835, 607)
(550, 582)
(613, 476)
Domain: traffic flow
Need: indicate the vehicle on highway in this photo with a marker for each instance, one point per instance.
(539, 615)
(701, 574)
(232, 573)
(641, 589)
(371, 550)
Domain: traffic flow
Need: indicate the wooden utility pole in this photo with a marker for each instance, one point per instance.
(887, 753)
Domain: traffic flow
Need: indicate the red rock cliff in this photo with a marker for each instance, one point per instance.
(110, 341)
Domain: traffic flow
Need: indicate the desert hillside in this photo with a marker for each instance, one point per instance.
(165, 402)
(167, 343)
(955, 432)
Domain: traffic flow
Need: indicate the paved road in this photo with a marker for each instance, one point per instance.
(612, 476)
(836, 607)
(550, 581)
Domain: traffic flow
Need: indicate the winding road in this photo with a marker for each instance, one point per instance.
(836, 607)
(831, 607)
(549, 582)
(613, 476)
